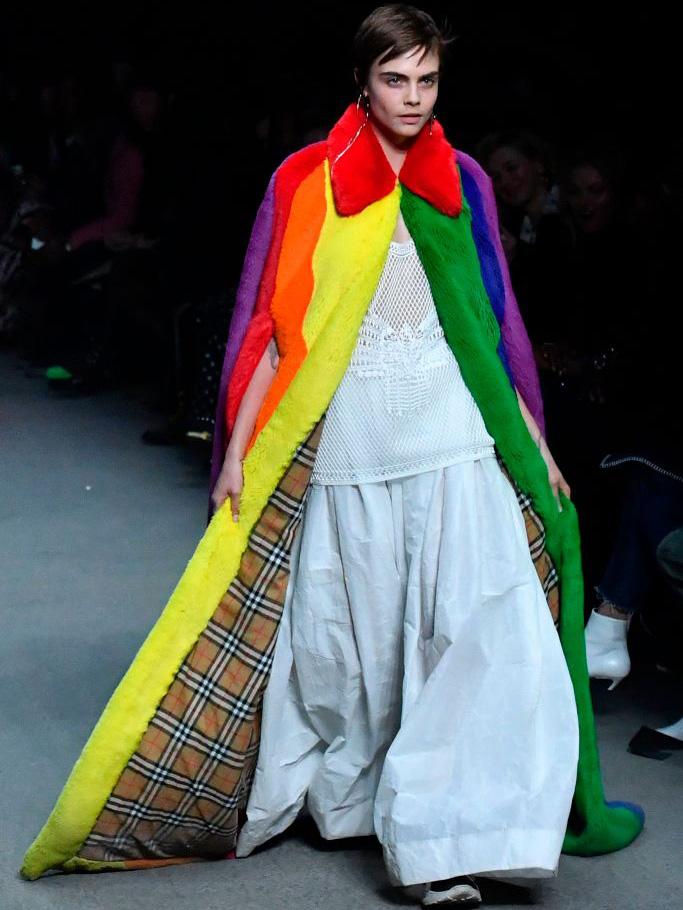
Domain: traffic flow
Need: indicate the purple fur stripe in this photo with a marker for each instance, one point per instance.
(245, 301)
(517, 345)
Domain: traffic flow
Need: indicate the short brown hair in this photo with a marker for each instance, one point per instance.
(392, 30)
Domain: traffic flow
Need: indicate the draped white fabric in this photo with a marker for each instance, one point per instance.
(419, 690)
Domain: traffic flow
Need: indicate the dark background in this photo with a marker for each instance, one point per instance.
(234, 72)
(246, 85)
(563, 69)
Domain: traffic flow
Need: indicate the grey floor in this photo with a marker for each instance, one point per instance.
(95, 529)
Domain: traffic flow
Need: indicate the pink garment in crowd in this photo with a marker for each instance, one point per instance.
(123, 185)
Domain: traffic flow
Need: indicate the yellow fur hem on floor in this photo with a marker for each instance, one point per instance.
(347, 264)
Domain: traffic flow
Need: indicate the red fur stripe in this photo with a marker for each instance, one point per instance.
(430, 171)
(260, 331)
(361, 173)
(287, 179)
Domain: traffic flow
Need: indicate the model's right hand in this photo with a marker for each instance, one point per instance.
(229, 484)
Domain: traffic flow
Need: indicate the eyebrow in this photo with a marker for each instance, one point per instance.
(403, 75)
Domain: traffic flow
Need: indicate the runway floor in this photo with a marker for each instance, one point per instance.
(96, 528)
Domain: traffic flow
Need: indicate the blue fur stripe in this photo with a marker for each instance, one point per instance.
(488, 262)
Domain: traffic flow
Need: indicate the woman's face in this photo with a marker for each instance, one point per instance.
(402, 94)
(515, 176)
(589, 198)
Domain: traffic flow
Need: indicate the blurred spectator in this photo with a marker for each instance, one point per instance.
(8, 125)
(535, 234)
(9, 200)
(74, 170)
(646, 444)
(660, 742)
(10, 251)
(589, 340)
(631, 583)
(131, 190)
(568, 243)
(79, 288)
(201, 329)
(586, 332)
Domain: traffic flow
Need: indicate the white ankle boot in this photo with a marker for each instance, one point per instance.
(606, 650)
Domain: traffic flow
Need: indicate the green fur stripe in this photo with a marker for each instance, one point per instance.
(448, 253)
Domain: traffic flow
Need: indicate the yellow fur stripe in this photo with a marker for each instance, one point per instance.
(347, 263)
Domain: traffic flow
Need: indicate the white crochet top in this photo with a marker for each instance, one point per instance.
(402, 406)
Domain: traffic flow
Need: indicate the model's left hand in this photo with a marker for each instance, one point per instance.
(557, 481)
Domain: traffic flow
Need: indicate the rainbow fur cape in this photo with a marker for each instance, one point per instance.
(166, 773)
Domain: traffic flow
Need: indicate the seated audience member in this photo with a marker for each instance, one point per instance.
(115, 246)
(582, 307)
(652, 510)
(534, 232)
(659, 743)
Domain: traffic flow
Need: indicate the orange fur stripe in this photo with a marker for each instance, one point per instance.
(294, 287)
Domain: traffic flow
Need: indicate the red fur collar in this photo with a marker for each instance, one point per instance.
(361, 173)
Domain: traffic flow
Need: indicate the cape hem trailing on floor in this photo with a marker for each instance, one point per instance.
(166, 772)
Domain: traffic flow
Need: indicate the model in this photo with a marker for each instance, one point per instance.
(383, 623)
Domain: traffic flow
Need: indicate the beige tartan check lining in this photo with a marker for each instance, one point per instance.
(182, 790)
(535, 532)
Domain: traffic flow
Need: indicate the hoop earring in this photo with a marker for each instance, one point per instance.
(358, 132)
(431, 122)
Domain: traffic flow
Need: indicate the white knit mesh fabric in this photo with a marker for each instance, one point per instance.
(402, 406)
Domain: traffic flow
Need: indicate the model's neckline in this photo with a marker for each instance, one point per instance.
(406, 246)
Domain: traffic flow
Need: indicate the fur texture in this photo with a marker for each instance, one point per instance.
(345, 264)
(294, 287)
(245, 300)
(259, 332)
(496, 274)
(260, 265)
(446, 248)
(288, 179)
(361, 173)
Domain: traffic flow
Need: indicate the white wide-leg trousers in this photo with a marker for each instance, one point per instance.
(419, 690)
